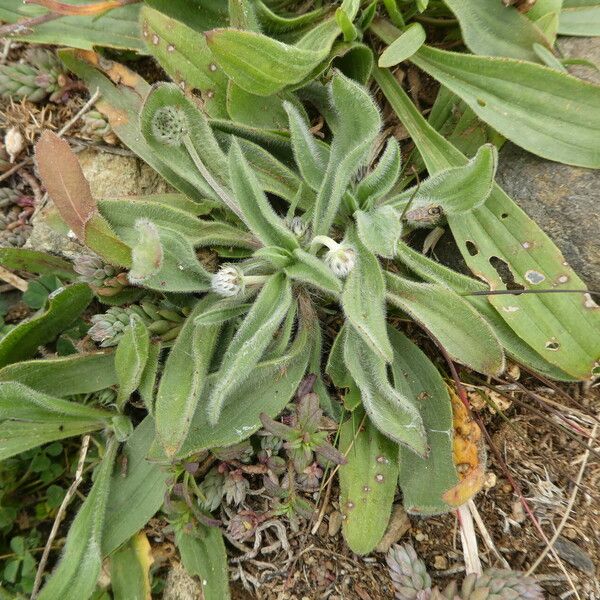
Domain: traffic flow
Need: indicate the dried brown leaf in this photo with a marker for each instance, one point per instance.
(62, 175)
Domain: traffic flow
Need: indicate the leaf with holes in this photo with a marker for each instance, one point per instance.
(556, 326)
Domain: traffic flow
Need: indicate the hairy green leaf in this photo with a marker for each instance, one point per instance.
(66, 375)
(458, 189)
(309, 269)
(130, 569)
(203, 555)
(143, 487)
(184, 379)
(64, 308)
(358, 125)
(363, 299)
(382, 178)
(466, 337)
(424, 480)
(390, 411)
(34, 261)
(257, 212)
(79, 567)
(367, 482)
(184, 55)
(130, 358)
(249, 343)
(379, 229)
(581, 20)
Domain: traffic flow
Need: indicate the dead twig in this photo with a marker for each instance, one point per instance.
(85, 443)
(13, 279)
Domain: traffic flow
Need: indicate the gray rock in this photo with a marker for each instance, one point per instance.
(574, 555)
(563, 200)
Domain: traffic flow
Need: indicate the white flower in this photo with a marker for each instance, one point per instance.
(227, 281)
(341, 260)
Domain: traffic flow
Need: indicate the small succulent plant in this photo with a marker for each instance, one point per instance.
(40, 75)
(412, 582)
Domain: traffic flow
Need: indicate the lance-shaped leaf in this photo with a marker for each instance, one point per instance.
(149, 376)
(458, 189)
(165, 260)
(250, 341)
(268, 388)
(130, 569)
(204, 556)
(515, 346)
(466, 337)
(65, 375)
(70, 192)
(34, 261)
(257, 212)
(64, 308)
(551, 114)
(184, 378)
(379, 229)
(19, 436)
(363, 299)
(336, 367)
(495, 247)
(19, 402)
(130, 358)
(390, 411)
(358, 125)
(310, 155)
(184, 55)
(367, 482)
(143, 487)
(382, 178)
(79, 567)
(493, 29)
(309, 269)
(424, 480)
(404, 46)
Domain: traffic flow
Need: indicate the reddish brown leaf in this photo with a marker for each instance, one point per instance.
(64, 180)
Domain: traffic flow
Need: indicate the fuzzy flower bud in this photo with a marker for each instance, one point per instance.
(107, 329)
(298, 227)
(92, 269)
(228, 281)
(341, 260)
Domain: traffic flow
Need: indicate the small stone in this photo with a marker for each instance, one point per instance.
(14, 143)
(574, 555)
(440, 563)
(518, 512)
(421, 537)
(570, 533)
(335, 523)
(399, 524)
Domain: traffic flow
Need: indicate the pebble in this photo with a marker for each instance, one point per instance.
(574, 555)
(440, 563)
(335, 523)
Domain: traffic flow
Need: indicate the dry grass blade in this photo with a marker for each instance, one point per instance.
(64, 180)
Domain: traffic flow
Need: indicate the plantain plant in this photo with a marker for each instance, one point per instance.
(284, 256)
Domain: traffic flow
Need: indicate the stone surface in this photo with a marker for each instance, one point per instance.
(563, 200)
(181, 586)
(109, 176)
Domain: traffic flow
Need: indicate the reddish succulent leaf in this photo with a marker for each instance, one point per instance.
(64, 180)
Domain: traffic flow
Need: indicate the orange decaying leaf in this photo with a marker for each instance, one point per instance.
(469, 454)
(65, 183)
